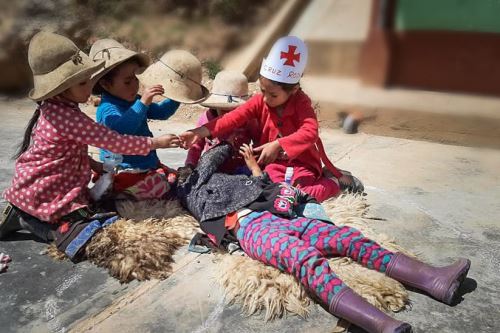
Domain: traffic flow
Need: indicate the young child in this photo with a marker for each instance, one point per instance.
(288, 124)
(53, 168)
(230, 90)
(122, 110)
(298, 240)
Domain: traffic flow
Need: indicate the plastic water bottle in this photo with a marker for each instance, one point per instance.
(289, 175)
(105, 182)
(111, 161)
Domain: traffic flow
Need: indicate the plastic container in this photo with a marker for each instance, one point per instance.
(105, 182)
(111, 161)
(289, 175)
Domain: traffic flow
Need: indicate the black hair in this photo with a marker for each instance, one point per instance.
(288, 87)
(98, 89)
(23, 146)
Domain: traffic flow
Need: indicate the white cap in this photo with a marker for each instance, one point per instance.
(286, 61)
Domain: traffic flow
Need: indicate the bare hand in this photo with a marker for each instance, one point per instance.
(188, 138)
(269, 152)
(166, 141)
(251, 162)
(150, 92)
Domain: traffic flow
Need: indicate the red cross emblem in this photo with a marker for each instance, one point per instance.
(290, 56)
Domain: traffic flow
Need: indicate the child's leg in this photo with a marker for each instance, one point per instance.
(43, 230)
(321, 188)
(331, 240)
(440, 282)
(142, 186)
(275, 241)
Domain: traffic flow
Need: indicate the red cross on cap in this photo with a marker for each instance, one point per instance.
(290, 56)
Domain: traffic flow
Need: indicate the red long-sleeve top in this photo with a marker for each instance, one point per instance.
(296, 129)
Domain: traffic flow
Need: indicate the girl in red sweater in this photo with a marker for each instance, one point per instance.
(289, 126)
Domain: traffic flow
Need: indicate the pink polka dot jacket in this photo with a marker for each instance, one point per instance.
(51, 176)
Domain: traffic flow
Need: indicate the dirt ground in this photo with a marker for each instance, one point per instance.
(424, 126)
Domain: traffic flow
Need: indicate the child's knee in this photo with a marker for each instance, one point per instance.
(321, 190)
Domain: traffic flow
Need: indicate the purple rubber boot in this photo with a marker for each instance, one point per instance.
(441, 283)
(350, 306)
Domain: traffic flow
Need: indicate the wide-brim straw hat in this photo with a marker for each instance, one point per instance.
(114, 54)
(229, 90)
(179, 72)
(57, 64)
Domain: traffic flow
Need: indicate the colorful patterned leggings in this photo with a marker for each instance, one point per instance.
(300, 247)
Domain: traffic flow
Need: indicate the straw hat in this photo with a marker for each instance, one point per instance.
(57, 64)
(179, 72)
(113, 53)
(229, 90)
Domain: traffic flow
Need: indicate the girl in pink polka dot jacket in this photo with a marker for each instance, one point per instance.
(53, 168)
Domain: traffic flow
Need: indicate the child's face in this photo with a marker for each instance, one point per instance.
(274, 95)
(79, 93)
(124, 84)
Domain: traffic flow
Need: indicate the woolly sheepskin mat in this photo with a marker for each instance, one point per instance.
(141, 245)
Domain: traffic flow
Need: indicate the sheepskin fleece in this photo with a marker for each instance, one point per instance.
(260, 288)
(141, 245)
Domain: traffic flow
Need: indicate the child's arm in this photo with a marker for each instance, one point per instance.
(129, 121)
(124, 123)
(163, 110)
(82, 129)
(306, 135)
(251, 162)
(225, 124)
(194, 153)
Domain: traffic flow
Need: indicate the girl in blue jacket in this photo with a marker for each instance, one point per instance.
(126, 112)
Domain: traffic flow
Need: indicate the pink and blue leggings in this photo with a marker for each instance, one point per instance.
(301, 246)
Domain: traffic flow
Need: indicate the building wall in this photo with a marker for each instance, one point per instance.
(443, 45)
(448, 15)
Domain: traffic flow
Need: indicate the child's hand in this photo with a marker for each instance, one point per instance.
(166, 141)
(188, 138)
(268, 152)
(251, 162)
(150, 92)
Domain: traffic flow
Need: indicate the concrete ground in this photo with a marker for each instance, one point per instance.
(437, 200)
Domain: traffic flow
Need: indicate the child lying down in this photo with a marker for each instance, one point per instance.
(281, 226)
